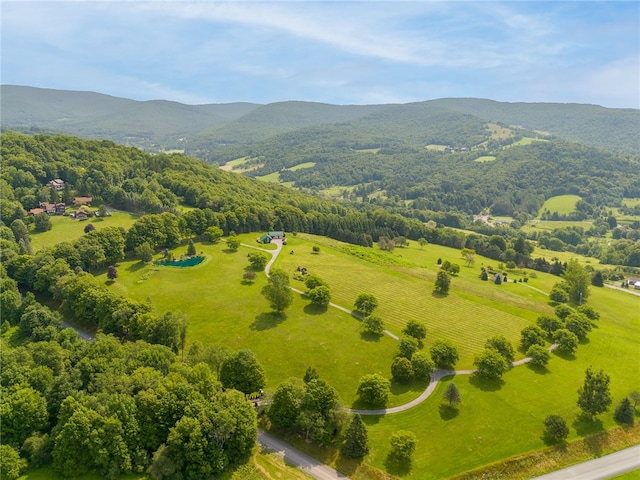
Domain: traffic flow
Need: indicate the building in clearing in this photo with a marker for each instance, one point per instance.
(275, 235)
(57, 184)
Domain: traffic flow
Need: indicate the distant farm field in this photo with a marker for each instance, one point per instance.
(485, 158)
(65, 229)
(563, 204)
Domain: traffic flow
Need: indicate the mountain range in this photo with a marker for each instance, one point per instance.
(206, 130)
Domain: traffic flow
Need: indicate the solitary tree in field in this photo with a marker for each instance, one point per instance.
(356, 444)
(403, 444)
(415, 329)
(233, 243)
(422, 242)
(443, 282)
(277, 290)
(578, 280)
(555, 427)
(366, 303)
(469, 256)
(452, 395)
(112, 272)
(594, 397)
(191, 248)
(320, 296)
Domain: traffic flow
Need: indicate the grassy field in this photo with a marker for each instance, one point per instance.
(235, 314)
(66, 230)
(484, 428)
(495, 421)
(403, 283)
(302, 165)
(563, 204)
(485, 158)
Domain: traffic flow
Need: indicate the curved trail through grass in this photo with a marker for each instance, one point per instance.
(435, 376)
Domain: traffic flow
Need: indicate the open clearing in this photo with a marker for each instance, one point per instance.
(563, 204)
(485, 158)
(495, 421)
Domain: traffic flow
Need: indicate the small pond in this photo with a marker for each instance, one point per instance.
(187, 262)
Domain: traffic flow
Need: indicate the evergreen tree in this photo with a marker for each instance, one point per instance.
(624, 412)
(191, 248)
(452, 395)
(356, 443)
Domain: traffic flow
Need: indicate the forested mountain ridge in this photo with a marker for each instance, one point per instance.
(211, 129)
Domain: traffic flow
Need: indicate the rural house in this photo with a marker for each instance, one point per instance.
(56, 184)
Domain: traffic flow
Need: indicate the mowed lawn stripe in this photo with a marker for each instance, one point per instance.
(471, 313)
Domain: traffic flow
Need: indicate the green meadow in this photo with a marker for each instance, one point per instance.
(563, 204)
(485, 158)
(496, 420)
(65, 229)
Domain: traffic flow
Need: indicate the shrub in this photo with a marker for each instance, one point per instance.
(556, 427)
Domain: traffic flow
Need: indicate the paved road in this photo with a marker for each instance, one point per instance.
(601, 468)
(295, 457)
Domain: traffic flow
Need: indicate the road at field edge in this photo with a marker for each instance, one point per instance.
(299, 459)
(602, 468)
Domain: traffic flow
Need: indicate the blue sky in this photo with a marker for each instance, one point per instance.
(335, 52)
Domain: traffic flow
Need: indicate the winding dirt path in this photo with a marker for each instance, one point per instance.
(435, 376)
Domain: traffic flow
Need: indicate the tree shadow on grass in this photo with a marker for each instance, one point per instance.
(368, 336)
(313, 309)
(447, 412)
(539, 369)
(136, 266)
(584, 341)
(564, 355)
(486, 384)
(417, 386)
(267, 320)
(347, 465)
(438, 294)
(397, 467)
(586, 425)
(596, 443)
(560, 445)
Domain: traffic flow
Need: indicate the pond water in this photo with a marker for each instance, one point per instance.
(187, 262)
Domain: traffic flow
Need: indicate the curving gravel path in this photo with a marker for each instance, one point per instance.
(435, 376)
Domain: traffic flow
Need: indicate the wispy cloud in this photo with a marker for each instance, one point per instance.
(345, 52)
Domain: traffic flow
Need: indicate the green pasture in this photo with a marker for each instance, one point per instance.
(301, 166)
(525, 141)
(437, 148)
(498, 132)
(65, 229)
(549, 225)
(273, 177)
(403, 282)
(222, 309)
(485, 158)
(237, 162)
(366, 150)
(503, 419)
(563, 204)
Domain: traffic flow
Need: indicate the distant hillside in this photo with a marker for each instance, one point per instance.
(213, 132)
(152, 125)
(613, 129)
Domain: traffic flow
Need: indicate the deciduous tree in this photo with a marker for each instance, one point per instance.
(277, 290)
(594, 397)
(490, 364)
(402, 370)
(373, 390)
(443, 282)
(555, 427)
(444, 354)
(403, 444)
(242, 372)
(366, 303)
